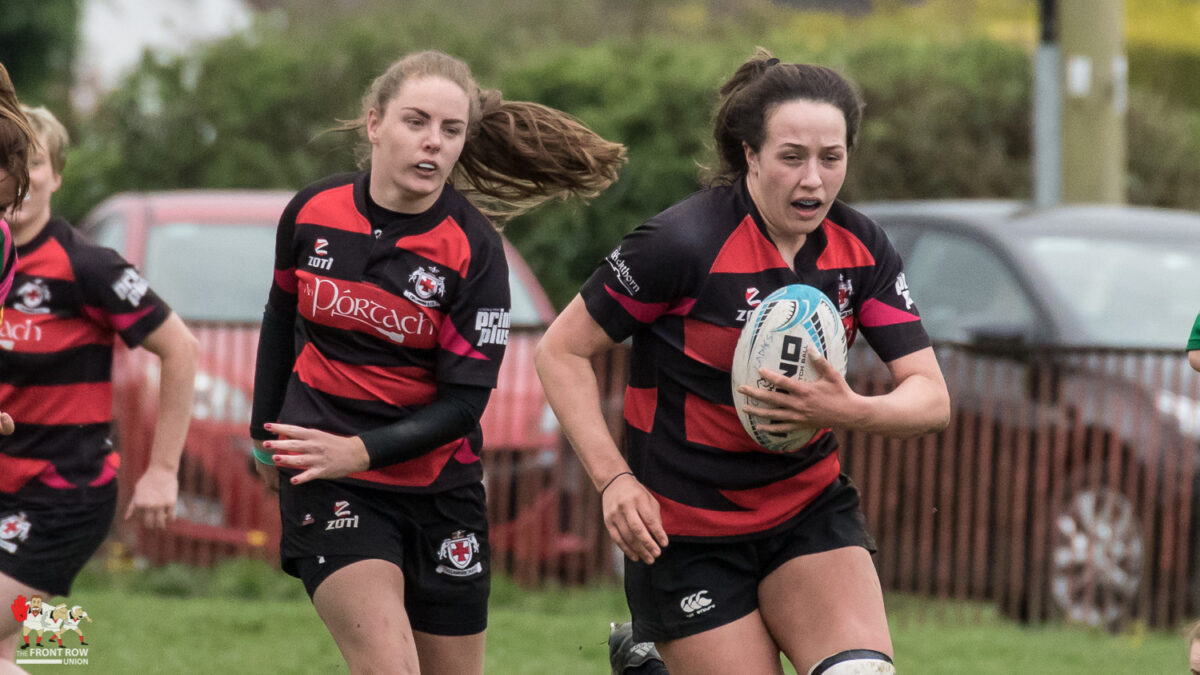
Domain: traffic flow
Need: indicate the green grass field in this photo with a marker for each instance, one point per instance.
(244, 617)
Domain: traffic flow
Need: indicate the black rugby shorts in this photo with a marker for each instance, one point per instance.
(44, 544)
(697, 586)
(439, 541)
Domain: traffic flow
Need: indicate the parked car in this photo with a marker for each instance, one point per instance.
(1067, 482)
(209, 254)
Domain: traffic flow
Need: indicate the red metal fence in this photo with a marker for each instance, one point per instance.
(1066, 485)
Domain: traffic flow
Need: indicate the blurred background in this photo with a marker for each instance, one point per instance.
(1055, 522)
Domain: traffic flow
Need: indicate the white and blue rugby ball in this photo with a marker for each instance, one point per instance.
(777, 336)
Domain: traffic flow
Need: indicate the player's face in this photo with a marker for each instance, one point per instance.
(416, 142)
(43, 182)
(800, 168)
(8, 191)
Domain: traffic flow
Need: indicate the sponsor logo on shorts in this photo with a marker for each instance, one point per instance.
(308, 520)
(320, 258)
(13, 528)
(459, 550)
(131, 287)
(492, 325)
(40, 620)
(696, 603)
(426, 285)
(344, 519)
(32, 296)
(621, 269)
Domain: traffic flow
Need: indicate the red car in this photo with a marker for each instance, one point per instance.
(209, 254)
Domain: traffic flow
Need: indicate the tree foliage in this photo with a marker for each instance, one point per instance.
(38, 41)
(943, 119)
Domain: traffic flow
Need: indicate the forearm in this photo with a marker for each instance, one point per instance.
(454, 414)
(918, 405)
(273, 365)
(176, 384)
(574, 394)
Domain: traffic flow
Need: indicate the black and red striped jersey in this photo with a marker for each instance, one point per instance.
(387, 307)
(682, 286)
(69, 299)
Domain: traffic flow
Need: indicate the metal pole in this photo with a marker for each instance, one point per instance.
(1094, 102)
(1047, 111)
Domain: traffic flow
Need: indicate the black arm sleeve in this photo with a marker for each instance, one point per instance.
(454, 414)
(272, 368)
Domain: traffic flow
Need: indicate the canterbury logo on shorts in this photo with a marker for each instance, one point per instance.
(696, 603)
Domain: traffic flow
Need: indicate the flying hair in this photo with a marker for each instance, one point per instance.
(517, 154)
(17, 138)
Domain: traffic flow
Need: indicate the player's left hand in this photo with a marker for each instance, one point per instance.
(825, 402)
(320, 454)
(154, 498)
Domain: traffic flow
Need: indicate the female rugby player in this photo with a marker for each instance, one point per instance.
(735, 554)
(380, 345)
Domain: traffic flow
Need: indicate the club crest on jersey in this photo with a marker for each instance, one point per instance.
(32, 297)
(13, 528)
(320, 259)
(426, 284)
(459, 549)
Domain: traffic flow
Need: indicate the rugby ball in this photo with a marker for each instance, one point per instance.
(776, 336)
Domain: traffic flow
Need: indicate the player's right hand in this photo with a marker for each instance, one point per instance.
(20, 610)
(631, 515)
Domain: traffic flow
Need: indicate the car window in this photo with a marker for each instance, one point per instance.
(110, 233)
(524, 312)
(960, 286)
(1127, 291)
(223, 272)
(211, 272)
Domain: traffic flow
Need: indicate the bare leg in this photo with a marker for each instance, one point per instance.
(743, 646)
(362, 605)
(821, 604)
(450, 654)
(9, 627)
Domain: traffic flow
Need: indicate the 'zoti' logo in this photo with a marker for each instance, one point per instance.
(320, 246)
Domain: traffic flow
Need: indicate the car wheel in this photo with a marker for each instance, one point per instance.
(1098, 555)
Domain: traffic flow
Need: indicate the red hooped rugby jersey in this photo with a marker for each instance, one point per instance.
(386, 311)
(682, 286)
(69, 298)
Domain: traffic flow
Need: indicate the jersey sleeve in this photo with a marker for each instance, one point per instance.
(281, 299)
(474, 332)
(644, 277)
(1194, 339)
(887, 314)
(116, 295)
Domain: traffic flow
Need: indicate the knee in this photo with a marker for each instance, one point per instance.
(855, 662)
